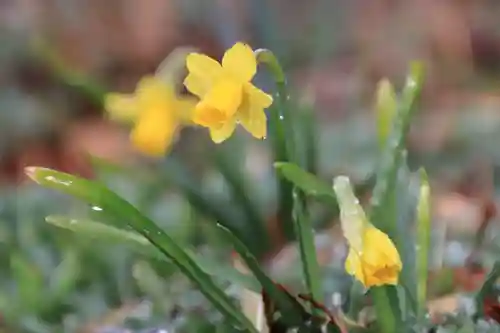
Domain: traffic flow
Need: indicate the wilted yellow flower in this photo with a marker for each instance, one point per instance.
(155, 110)
(377, 262)
(227, 95)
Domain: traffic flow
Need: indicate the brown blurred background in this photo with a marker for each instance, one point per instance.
(335, 51)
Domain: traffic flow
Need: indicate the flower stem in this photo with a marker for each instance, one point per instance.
(305, 235)
(282, 134)
(293, 206)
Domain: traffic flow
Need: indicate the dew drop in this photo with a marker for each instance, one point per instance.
(96, 208)
(281, 118)
(58, 181)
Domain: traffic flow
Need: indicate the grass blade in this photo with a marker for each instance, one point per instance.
(305, 235)
(109, 234)
(386, 107)
(383, 212)
(98, 195)
(291, 313)
(391, 159)
(423, 242)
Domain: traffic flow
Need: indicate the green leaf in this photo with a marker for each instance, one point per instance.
(423, 241)
(383, 213)
(292, 315)
(29, 280)
(404, 202)
(98, 195)
(382, 216)
(307, 182)
(386, 107)
(305, 235)
(140, 244)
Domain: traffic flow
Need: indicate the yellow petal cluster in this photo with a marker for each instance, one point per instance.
(227, 96)
(377, 262)
(156, 112)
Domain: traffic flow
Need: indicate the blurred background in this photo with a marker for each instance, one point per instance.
(58, 58)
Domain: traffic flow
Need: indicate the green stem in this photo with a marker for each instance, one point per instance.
(292, 210)
(305, 234)
(281, 127)
(386, 319)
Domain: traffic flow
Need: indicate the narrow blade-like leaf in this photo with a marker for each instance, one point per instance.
(100, 196)
(291, 313)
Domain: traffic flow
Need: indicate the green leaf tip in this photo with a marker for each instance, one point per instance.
(386, 108)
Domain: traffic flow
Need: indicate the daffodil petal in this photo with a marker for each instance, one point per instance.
(152, 92)
(240, 61)
(220, 134)
(258, 97)
(153, 136)
(121, 107)
(226, 96)
(207, 116)
(156, 124)
(254, 121)
(203, 72)
(185, 109)
(386, 251)
(196, 86)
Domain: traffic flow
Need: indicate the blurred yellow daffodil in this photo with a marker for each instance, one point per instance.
(377, 262)
(227, 96)
(373, 258)
(156, 112)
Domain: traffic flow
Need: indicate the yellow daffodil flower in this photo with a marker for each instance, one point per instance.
(373, 258)
(227, 96)
(156, 112)
(377, 263)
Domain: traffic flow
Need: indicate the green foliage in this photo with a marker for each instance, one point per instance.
(398, 199)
